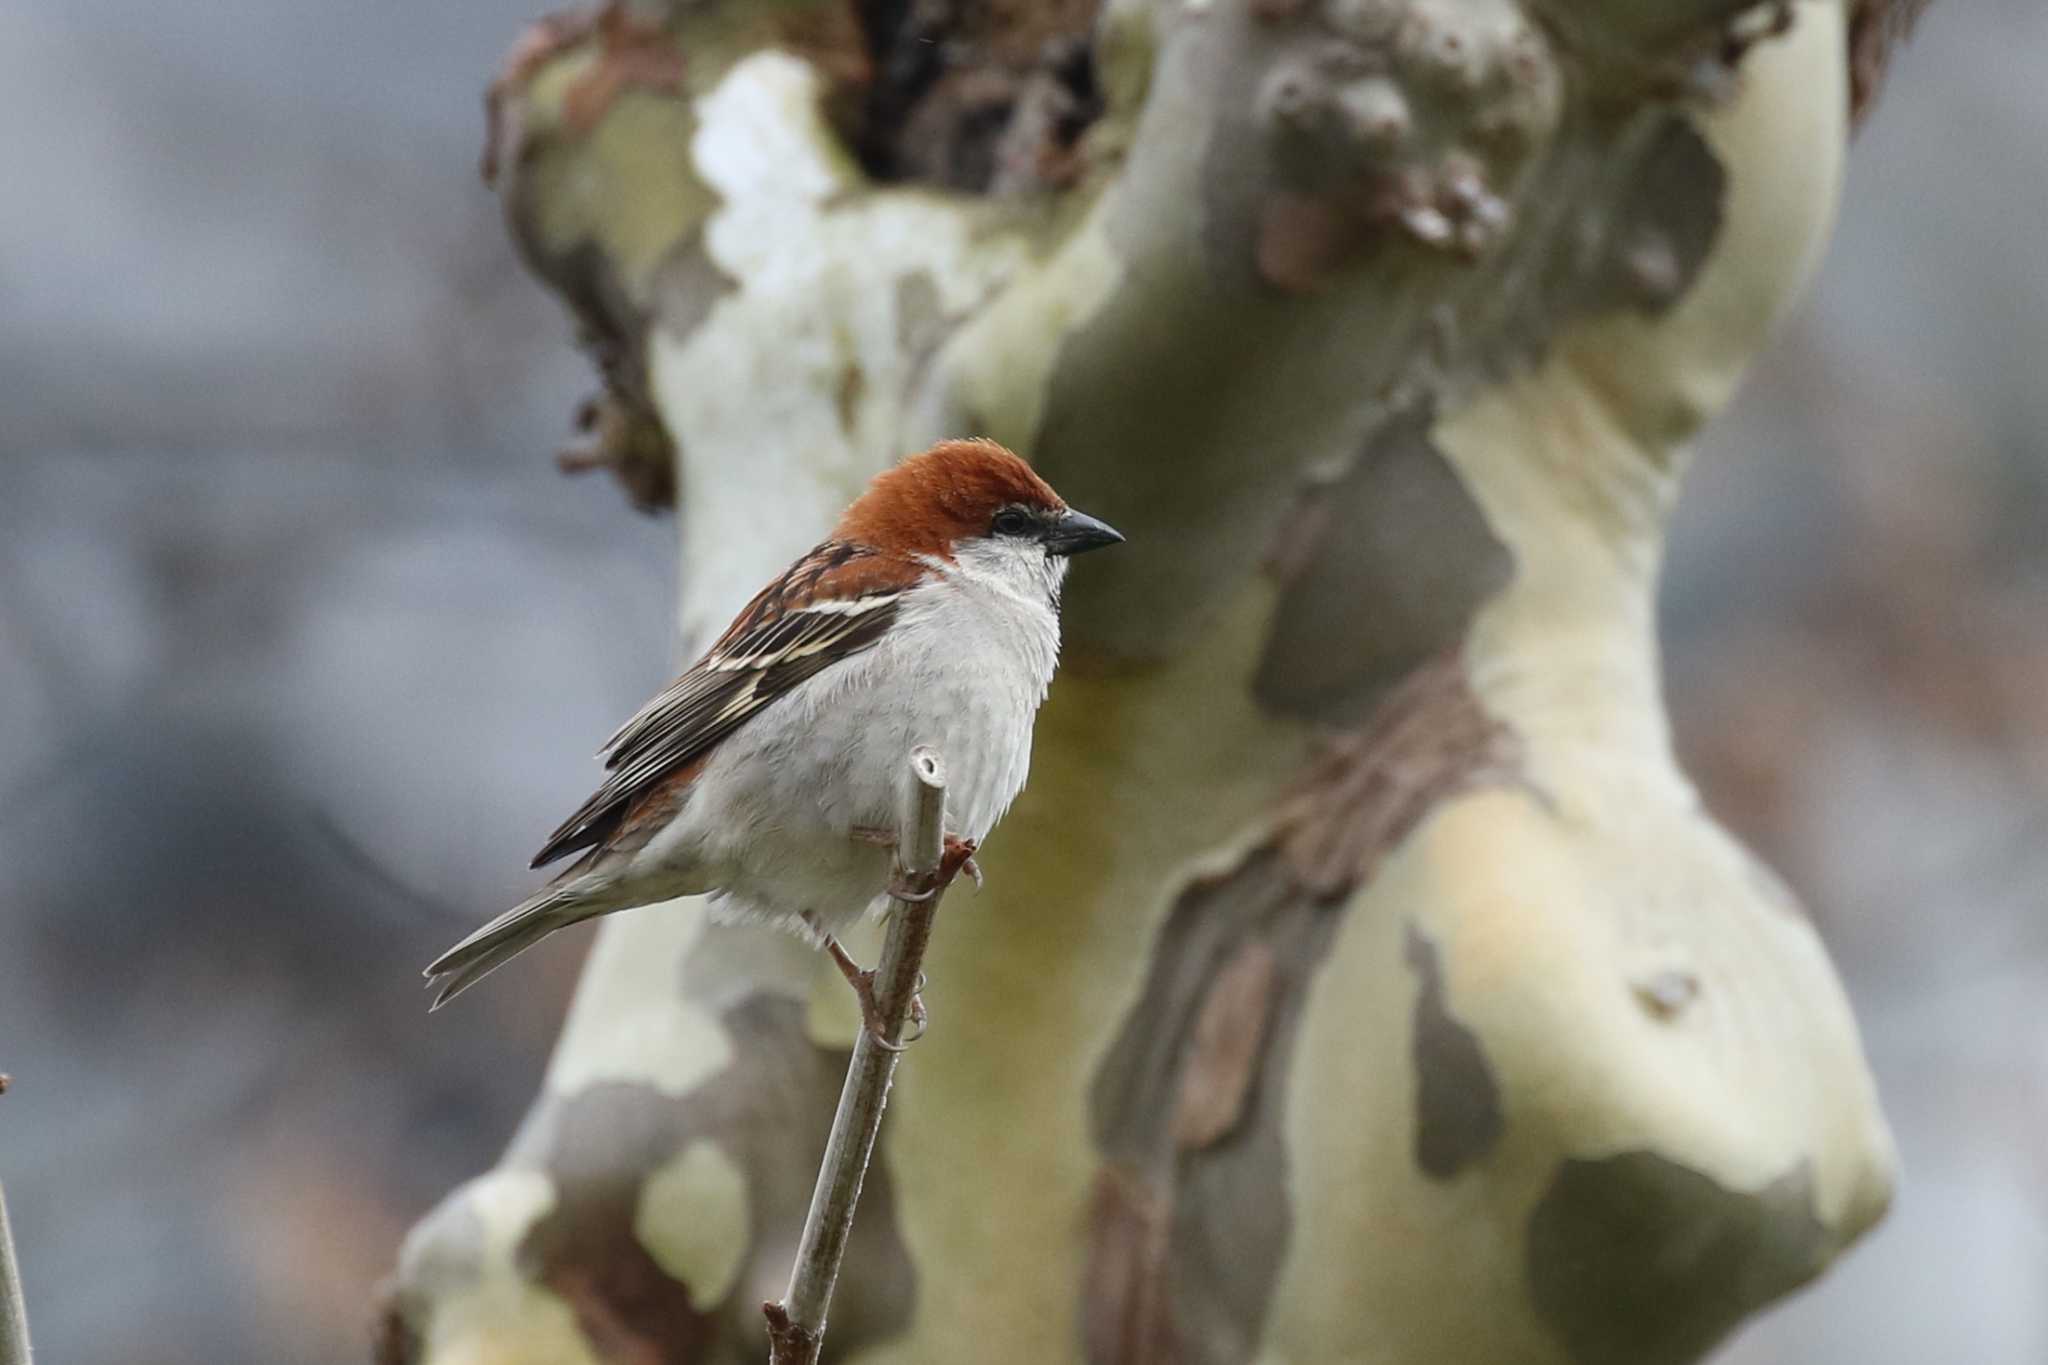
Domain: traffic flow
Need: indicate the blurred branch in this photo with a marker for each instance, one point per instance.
(14, 1347)
(796, 1324)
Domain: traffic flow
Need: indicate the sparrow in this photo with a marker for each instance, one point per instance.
(767, 777)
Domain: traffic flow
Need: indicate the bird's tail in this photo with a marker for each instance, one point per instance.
(571, 900)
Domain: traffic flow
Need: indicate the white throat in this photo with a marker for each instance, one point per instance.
(1011, 567)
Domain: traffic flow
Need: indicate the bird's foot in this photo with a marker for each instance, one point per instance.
(863, 982)
(919, 1020)
(958, 858)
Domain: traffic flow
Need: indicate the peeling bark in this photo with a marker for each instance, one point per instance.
(1429, 741)
(1192, 1210)
(604, 1152)
(1358, 952)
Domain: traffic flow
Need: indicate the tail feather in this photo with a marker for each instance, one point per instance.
(568, 902)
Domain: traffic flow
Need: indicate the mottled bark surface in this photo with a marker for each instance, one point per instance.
(1191, 1212)
(1358, 955)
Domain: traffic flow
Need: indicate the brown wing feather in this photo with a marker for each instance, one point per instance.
(779, 639)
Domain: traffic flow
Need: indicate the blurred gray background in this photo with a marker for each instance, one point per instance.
(286, 575)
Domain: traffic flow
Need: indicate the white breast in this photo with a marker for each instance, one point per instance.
(769, 824)
(982, 644)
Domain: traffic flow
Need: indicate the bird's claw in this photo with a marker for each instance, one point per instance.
(958, 858)
(906, 888)
(863, 982)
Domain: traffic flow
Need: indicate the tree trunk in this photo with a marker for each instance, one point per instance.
(1359, 979)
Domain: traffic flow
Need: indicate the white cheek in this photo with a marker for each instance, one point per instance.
(1011, 565)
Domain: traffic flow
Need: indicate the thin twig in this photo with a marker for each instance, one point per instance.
(796, 1324)
(13, 1311)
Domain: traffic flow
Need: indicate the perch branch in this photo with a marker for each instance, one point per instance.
(14, 1349)
(796, 1323)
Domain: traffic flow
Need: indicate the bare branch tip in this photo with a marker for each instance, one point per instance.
(926, 859)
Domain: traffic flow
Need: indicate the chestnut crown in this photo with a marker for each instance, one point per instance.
(964, 490)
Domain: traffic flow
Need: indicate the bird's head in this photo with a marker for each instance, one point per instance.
(975, 504)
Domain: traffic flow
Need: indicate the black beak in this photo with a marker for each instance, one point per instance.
(1076, 533)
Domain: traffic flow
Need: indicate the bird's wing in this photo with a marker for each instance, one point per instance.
(833, 603)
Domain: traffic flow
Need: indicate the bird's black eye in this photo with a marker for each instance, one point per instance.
(1013, 521)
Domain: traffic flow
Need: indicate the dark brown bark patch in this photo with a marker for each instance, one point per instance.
(1191, 1217)
(1125, 1317)
(983, 96)
(1638, 1260)
(1223, 1048)
(770, 1112)
(1457, 1101)
(1427, 741)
